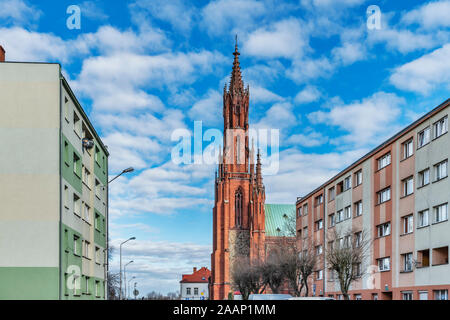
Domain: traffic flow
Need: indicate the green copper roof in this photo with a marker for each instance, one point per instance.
(277, 218)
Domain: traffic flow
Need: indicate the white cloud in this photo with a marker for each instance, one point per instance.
(430, 15)
(262, 95)
(92, 10)
(18, 12)
(425, 73)
(208, 109)
(367, 121)
(279, 116)
(311, 139)
(307, 94)
(304, 70)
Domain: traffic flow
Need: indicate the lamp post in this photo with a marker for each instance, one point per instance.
(127, 288)
(130, 169)
(125, 277)
(120, 253)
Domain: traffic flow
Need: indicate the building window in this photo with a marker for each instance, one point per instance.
(408, 224)
(424, 177)
(358, 296)
(76, 246)
(76, 165)
(423, 258)
(340, 187)
(440, 170)
(87, 177)
(407, 259)
(97, 288)
(408, 149)
(384, 229)
(76, 124)
(358, 239)
(347, 212)
(423, 137)
(374, 296)
(331, 193)
(358, 269)
(358, 208)
(98, 187)
(408, 186)
(195, 291)
(87, 213)
(358, 178)
(76, 205)
(384, 161)
(66, 153)
(422, 218)
(299, 211)
(188, 291)
(319, 275)
(440, 294)
(319, 200)
(332, 220)
(319, 250)
(440, 213)
(407, 295)
(440, 256)
(87, 285)
(305, 232)
(238, 206)
(319, 224)
(384, 264)
(384, 195)
(441, 127)
(340, 216)
(423, 295)
(66, 197)
(97, 255)
(97, 221)
(347, 183)
(305, 209)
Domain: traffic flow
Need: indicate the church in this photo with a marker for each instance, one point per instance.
(243, 224)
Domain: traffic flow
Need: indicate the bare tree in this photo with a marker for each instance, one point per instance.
(112, 279)
(272, 271)
(246, 276)
(345, 255)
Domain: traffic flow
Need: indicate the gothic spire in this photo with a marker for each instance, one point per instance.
(259, 182)
(236, 84)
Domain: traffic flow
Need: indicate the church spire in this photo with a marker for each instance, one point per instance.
(236, 84)
(259, 182)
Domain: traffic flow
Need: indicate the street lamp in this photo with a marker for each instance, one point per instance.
(125, 276)
(130, 169)
(128, 286)
(120, 253)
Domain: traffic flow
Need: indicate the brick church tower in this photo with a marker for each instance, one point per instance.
(239, 213)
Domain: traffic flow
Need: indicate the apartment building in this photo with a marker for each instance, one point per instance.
(53, 189)
(398, 195)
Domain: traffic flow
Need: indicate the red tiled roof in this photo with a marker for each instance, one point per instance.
(198, 276)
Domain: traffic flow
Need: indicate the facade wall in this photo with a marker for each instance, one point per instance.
(187, 290)
(401, 241)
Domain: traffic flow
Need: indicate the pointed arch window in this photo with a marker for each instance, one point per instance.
(238, 201)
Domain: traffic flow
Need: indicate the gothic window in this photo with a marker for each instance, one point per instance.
(238, 207)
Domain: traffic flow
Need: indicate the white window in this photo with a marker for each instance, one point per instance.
(384, 161)
(66, 196)
(423, 137)
(299, 211)
(408, 186)
(332, 193)
(340, 216)
(87, 177)
(358, 297)
(76, 249)
(98, 191)
(87, 249)
(384, 229)
(332, 220)
(97, 255)
(319, 224)
(384, 195)
(319, 275)
(440, 294)
(347, 183)
(424, 177)
(358, 208)
(358, 177)
(87, 285)
(76, 205)
(97, 288)
(319, 200)
(440, 213)
(305, 209)
(422, 218)
(384, 264)
(77, 285)
(188, 291)
(358, 239)
(441, 127)
(374, 296)
(87, 213)
(407, 295)
(441, 170)
(76, 124)
(305, 232)
(195, 291)
(407, 262)
(408, 224)
(423, 295)
(319, 249)
(348, 212)
(408, 149)
(358, 269)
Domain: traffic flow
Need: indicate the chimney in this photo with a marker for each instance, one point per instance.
(195, 269)
(2, 54)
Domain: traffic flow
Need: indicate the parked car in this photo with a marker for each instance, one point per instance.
(312, 298)
(269, 297)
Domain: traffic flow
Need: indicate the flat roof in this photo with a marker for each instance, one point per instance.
(396, 136)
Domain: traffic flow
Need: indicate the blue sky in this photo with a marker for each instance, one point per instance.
(142, 69)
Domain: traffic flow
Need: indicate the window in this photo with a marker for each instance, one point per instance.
(340, 216)
(97, 221)
(384, 161)
(195, 291)
(66, 108)
(440, 213)
(347, 183)
(358, 239)
(332, 220)
(340, 187)
(422, 218)
(384, 264)
(384, 195)
(87, 285)
(358, 269)
(97, 155)
(66, 196)
(440, 294)
(87, 177)
(76, 205)
(86, 249)
(407, 295)
(319, 275)
(358, 178)
(319, 250)
(188, 291)
(423, 258)
(87, 213)
(423, 295)
(97, 288)
(440, 170)
(348, 212)
(374, 296)
(358, 296)
(98, 187)
(305, 209)
(238, 207)
(76, 124)
(97, 255)
(424, 177)
(76, 285)
(423, 137)
(76, 248)
(331, 193)
(384, 229)
(305, 232)
(319, 224)
(407, 259)
(408, 224)
(358, 208)
(440, 127)
(299, 211)
(439, 256)
(319, 200)
(408, 148)
(408, 186)
(66, 153)
(76, 165)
